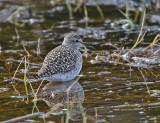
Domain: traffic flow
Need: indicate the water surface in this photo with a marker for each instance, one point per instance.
(107, 91)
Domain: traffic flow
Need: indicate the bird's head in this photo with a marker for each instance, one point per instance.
(73, 40)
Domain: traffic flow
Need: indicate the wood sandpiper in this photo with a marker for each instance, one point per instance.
(64, 62)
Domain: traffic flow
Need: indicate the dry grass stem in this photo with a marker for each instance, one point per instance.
(38, 47)
(26, 51)
(17, 69)
(39, 86)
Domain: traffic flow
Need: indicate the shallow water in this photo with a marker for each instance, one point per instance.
(107, 90)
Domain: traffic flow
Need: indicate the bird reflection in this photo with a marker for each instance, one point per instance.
(56, 96)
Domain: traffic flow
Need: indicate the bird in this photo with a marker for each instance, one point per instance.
(64, 62)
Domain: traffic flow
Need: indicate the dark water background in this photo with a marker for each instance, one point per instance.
(106, 92)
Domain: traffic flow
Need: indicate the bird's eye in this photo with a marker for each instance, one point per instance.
(77, 41)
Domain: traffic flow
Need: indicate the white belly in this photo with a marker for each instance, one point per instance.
(60, 77)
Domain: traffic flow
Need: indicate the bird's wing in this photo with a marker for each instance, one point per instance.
(60, 60)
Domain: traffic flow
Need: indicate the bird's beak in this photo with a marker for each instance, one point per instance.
(89, 44)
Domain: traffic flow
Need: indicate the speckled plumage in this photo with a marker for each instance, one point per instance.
(64, 62)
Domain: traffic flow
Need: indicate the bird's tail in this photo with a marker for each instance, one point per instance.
(36, 76)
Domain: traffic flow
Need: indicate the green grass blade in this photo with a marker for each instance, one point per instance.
(100, 11)
(25, 78)
(69, 6)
